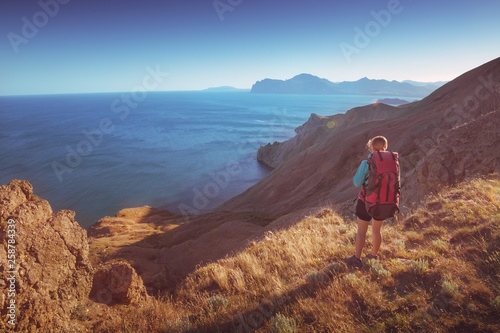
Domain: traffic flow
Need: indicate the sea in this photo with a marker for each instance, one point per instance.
(185, 151)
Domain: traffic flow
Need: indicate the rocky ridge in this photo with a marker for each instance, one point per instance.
(50, 274)
(54, 273)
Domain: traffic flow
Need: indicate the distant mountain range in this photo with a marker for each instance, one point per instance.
(310, 84)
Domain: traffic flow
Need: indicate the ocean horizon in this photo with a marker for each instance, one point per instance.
(186, 151)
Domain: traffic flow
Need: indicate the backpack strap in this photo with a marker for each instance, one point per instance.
(380, 155)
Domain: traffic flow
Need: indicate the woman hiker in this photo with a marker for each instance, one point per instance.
(377, 144)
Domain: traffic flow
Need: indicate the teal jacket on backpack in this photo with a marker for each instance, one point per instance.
(361, 176)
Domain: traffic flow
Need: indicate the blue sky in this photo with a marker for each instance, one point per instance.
(105, 46)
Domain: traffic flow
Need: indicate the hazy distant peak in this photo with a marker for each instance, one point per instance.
(309, 84)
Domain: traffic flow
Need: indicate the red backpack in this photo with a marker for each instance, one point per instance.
(381, 195)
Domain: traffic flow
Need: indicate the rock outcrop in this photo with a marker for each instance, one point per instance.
(118, 283)
(314, 131)
(459, 153)
(51, 257)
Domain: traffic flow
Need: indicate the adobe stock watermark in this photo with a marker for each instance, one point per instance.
(30, 27)
(11, 273)
(223, 6)
(206, 193)
(461, 113)
(119, 108)
(363, 36)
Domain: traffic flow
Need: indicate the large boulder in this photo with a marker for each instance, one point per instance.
(50, 255)
(118, 283)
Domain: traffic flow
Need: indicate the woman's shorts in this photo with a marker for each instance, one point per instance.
(361, 211)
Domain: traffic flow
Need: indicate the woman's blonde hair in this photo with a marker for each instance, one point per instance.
(377, 143)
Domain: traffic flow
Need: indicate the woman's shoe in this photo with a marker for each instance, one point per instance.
(353, 261)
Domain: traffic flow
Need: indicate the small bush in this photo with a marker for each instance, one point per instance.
(399, 321)
(496, 304)
(472, 308)
(333, 269)
(80, 313)
(377, 269)
(440, 245)
(449, 288)
(353, 280)
(283, 324)
(218, 302)
(419, 266)
(177, 325)
(316, 277)
(399, 244)
(396, 266)
(343, 228)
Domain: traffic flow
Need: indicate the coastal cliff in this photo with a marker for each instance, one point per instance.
(315, 130)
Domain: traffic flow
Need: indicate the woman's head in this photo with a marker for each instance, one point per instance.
(378, 143)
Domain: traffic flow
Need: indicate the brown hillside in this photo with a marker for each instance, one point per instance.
(439, 272)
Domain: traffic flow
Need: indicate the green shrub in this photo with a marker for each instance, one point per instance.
(496, 304)
(177, 325)
(440, 245)
(399, 244)
(377, 269)
(449, 288)
(218, 302)
(354, 280)
(283, 324)
(333, 269)
(316, 277)
(419, 266)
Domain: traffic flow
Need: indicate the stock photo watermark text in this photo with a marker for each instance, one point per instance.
(363, 36)
(40, 19)
(223, 6)
(119, 107)
(11, 273)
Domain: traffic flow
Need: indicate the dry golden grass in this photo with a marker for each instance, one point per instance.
(295, 280)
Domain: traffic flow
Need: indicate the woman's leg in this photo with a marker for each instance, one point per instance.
(361, 236)
(376, 236)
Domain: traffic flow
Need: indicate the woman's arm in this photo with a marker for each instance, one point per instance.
(361, 174)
